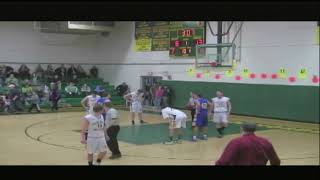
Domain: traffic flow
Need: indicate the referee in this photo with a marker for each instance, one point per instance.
(112, 130)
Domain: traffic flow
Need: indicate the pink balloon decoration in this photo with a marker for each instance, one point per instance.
(238, 78)
(264, 76)
(252, 75)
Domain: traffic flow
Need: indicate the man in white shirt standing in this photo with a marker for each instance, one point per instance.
(221, 108)
(177, 120)
(136, 99)
(112, 129)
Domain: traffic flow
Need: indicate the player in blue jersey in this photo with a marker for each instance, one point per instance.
(105, 98)
(201, 118)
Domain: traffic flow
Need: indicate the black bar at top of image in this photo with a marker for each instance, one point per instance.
(160, 10)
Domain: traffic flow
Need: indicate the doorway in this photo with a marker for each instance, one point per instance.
(146, 83)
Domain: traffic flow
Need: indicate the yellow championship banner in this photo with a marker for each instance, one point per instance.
(143, 45)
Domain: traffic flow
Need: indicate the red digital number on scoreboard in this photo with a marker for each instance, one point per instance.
(187, 33)
(177, 43)
(199, 41)
(172, 51)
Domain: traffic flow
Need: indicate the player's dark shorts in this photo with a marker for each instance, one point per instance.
(104, 115)
(86, 135)
(202, 120)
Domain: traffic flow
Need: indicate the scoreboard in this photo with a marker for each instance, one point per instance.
(184, 37)
(179, 38)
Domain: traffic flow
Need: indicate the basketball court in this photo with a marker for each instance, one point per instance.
(54, 139)
(269, 70)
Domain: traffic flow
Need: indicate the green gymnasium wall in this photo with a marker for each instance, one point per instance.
(296, 103)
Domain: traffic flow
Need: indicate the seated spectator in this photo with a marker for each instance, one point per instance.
(49, 73)
(72, 73)
(94, 72)
(26, 90)
(85, 89)
(43, 93)
(4, 103)
(2, 75)
(14, 99)
(9, 70)
(34, 101)
(24, 72)
(100, 90)
(61, 72)
(74, 79)
(122, 88)
(12, 80)
(34, 79)
(71, 89)
(81, 72)
(39, 73)
(1, 81)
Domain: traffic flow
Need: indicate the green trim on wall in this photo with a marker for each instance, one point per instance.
(296, 103)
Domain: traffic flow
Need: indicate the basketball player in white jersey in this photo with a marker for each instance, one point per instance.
(177, 120)
(96, 143)
(136, 99)
(89, 101)
(221, 108)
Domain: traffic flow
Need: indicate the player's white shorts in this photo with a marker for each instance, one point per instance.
(220, 117)
(89, 111)
(180, 122)
(96, 145)
(136, 107)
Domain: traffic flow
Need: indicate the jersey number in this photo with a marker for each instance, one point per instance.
(204, 105)
(100, 124)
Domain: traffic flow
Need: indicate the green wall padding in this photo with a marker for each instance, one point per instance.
(297, 103)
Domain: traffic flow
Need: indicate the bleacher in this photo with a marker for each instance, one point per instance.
(74, 101)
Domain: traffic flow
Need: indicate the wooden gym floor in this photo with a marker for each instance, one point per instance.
(54, 139)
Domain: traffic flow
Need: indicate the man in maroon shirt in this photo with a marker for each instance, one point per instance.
(249, 150)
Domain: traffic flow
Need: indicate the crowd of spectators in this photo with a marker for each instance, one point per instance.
(21, 90)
